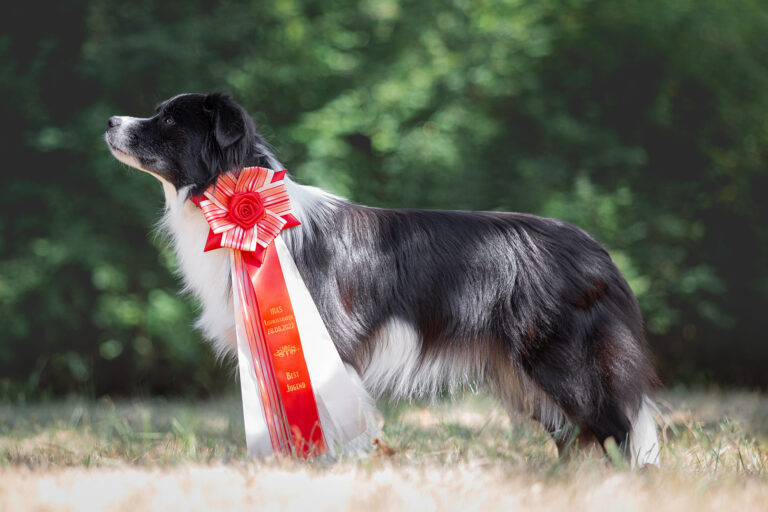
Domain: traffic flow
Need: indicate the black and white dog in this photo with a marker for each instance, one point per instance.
(418, 301)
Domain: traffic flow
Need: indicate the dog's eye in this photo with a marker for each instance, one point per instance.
(169, 120)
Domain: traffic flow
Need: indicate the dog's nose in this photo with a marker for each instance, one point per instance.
(113, 121)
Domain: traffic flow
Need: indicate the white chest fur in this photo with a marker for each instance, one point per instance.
(205, 274)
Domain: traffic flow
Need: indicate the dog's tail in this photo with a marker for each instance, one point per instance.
(643, 438)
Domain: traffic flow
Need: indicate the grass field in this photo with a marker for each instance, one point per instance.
(463, 454)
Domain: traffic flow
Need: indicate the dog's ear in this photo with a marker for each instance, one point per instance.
(226, 146)
(228, 118)
(231, 143)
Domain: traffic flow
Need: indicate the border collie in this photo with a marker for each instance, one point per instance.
(418, 301)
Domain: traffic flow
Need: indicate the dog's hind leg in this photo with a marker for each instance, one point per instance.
(576, 441)
(599, 382)
(519, 394)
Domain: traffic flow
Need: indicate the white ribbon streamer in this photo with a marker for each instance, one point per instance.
(340, 408)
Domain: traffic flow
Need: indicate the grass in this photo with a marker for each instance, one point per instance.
(455, 455)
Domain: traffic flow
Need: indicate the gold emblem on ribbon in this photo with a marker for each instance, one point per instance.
(286, 350)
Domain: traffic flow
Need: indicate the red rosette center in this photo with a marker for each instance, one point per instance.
(246, 209)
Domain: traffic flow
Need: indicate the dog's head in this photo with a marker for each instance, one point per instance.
(190, 141)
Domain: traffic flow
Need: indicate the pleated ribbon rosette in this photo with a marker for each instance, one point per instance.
(290, 371)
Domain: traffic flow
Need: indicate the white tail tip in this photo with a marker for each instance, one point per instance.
(644, 440)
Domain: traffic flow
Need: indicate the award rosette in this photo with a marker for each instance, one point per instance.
(291, 374)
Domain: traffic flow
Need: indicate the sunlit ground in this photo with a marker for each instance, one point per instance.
(460, 455)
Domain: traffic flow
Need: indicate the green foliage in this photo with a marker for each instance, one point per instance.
(641, 121)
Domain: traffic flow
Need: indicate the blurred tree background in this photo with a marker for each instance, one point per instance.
(643, 121)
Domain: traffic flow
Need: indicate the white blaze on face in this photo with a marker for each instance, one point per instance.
(117, 140)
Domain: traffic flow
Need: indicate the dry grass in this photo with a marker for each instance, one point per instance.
(453, 456)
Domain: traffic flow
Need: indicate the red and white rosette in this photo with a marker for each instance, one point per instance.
(290, 371)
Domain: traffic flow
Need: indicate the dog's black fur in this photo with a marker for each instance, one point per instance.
(193, 138)
(516, 299)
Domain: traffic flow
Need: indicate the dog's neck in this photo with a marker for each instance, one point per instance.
(311, 205)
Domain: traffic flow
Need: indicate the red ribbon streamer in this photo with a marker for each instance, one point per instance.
(279, 338)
